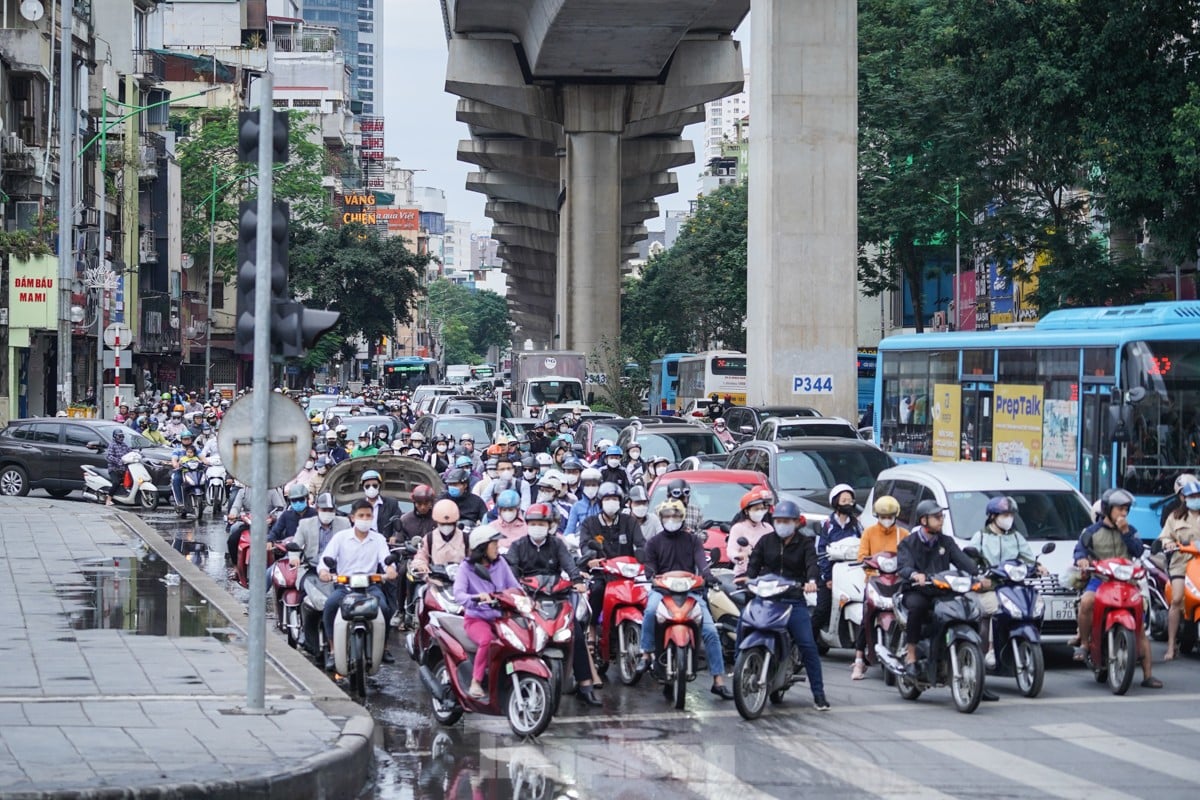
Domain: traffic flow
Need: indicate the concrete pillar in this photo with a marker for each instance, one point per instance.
(589, 274)
(802, 278)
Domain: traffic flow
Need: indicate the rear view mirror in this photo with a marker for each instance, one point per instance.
(1048, 547)
(94, 446)
(746, 429)
(1137, 394)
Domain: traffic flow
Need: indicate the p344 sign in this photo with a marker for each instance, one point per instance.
(812, 384)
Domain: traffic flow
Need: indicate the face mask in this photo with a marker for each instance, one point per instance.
(590, 491)
(508, 514)
(504, 474)
(672, 524)
(371, 492)
(309, 464)
(634, 455)
(614, 462)
(363, 444)
(538, 533)
(545, 497)
(756, 515)
(530, 474)
(298, 505)
(447, 529)
(846, 511)
(441, 448)
(785, 529)
(455, 491)
(362, 525)
(1193, 503)
(660, 470)
(1005, 522)
(640, 510)
(572, 478)
(611, 507)
(887, 522)
(326, 517)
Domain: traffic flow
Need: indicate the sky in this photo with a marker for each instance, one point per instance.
(420, 128)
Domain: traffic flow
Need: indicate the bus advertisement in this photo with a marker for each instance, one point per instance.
(718, 372)
(664, 383)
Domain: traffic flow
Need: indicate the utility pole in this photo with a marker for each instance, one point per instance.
(66, 172)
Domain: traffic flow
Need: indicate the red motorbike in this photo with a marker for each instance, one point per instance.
(1116, 622)
(625, 596)
(436, 594)
(879, 605)
(285, 578)
(517, 680)
(678, 617)
(553, 612)
(242, 560)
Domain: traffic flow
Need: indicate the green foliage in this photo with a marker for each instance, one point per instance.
(693, 296)
(473, 320)
(620, 393)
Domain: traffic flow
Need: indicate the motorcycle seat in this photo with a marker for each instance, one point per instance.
(456, 626)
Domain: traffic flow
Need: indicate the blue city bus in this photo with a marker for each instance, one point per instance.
(1100, 396)
(664, 383)
(409, 372)
(867, 357)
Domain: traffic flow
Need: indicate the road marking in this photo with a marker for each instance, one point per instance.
(1011, 767)
(697, 772)
(858, 772)
(1190, 724)
(1098, 740)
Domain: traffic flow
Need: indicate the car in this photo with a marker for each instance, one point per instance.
(398, 476)
(320, 403)
(744, 421)
(718, 494)
(466, 404)
(50, 452)
(482, 427)
(557, 411)
(705, 462)
(1048, 510)
(811, 466)
(675, 442)
(357, 424)
(521, 426)
(696, 409)
(428, 390)
(591, 431)
(776, 428)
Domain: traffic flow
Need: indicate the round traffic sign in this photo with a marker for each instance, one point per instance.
(115, 330)
(288, 435)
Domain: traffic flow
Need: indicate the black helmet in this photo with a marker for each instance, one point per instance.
(1115, 498)
(325, 501)
(529, 463)
(927, 508)
(119, 433)
(678, 489)
(1001, 505)
(637, 494)
(458, 475)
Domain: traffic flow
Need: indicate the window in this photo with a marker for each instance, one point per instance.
(908, 382)
(978, 363)
(1098, 362)
(79, 436)
(1018, 366)
(44, 433)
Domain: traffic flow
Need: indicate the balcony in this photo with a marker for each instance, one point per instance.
(149, 67)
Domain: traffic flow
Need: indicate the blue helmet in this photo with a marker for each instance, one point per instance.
(615, 450)
(463, 461)
(786, 509)
(508, 499)
(1190, 489)
(370, 475)
(1001, 505)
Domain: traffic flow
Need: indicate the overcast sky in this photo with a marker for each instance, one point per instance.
(421, 131)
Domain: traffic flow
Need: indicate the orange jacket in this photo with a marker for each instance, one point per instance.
(878, 539)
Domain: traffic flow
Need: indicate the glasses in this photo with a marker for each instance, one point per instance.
(371, 485)
(678, 493)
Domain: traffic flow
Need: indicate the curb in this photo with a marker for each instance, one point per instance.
(341, 772)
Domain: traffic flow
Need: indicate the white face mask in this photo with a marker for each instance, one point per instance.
(887, 522)
(672, 524)
(362, 525)
(1005, 522)
(785, 529)
(371, 492)
(572, 478)
(661, 469)
(538, 533)
(441, 448)
(640, 510)
(590, 491)
(634, 455)
(614, 462)
(545, 497)
(326, 517)
(530, 474)
(309, 464)
(756, 514)
(504, 474)
(611, 507)
(447, 528)
(508, 514)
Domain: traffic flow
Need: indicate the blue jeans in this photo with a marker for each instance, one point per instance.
(177, 486)
(708, 632)
(333, 607)
(800, 627)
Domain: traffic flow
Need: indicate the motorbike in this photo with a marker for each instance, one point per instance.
(1017, 625)
(949, 650)
(517, 681)
(241, 560)
(214, 483)
(765, 666)
(846, 610)
(285, 578)
(727, 603)
(1158, 583)
(553, 612)
(879, 610)
(678, 617)
(625, 596)
(437, 595)
(358, 629)
(1116, 622)
(1189, 623)
(137, 489)
(193, 490)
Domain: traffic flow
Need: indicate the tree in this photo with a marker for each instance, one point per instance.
(488, 324)
(620, 392)
(483, 315)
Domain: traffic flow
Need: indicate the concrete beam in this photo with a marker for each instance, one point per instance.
(489, 70)
(701, 70)
(634, 212)
(504, 212)
(519, 236)
(645, 187)
(671, 124)
(522, 156)
(486, 118)
(640, 156)
(538, 259)
(522, 189)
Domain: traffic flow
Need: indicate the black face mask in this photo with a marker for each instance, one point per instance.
(849, 511)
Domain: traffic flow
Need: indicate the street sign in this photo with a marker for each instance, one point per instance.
(289, 439)
(114, 330)
(110, 357)
(812, 384)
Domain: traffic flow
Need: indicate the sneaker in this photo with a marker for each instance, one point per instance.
(722, 691)
(859, 671)
(989, 659)
(820, 703)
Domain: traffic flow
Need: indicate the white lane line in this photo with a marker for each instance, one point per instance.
(1098, 740)
(1190, 724)
(697, 772)
(1038, 777)
(855, 771)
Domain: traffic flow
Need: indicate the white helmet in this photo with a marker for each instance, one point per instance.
(591, 474)
(835, 491)
(482, 535)
(544, 460)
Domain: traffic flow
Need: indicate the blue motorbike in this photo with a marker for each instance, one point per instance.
(1017, 626)
(766, 660)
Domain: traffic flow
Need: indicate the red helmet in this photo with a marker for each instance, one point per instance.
(423, 493)
(539, 512)
(758, 494)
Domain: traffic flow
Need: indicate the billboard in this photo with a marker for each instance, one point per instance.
(33, 292)
(400, 219)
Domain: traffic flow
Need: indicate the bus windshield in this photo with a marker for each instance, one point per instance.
(1165, 437)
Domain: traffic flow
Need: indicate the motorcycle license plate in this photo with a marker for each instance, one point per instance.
(508, 668)
(1062, 609)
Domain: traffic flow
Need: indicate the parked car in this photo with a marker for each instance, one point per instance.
(483, 428)
(675, 442)
(744, 421)
(776, 428)
(1048, 510)
(49, 453)
(811, 466)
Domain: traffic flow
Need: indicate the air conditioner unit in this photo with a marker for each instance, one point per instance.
(147, 252)
(149, 160)
(11, 143)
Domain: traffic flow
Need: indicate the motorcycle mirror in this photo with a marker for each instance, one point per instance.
(743, 541)
(971, 551)
(714, 555)
(292, 547)
(331, 562)
(1048, 547)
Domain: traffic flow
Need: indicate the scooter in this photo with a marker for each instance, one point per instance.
(765, 665)
(678, 617)
(879, 610)
(137, 488)
(242, 559)
(313, 594)
(193, 490)
(625, 596)
(846, 611)
(1158, 584)
(285, 575)
(517, 681)
(950, 652)
(214, 482)
(727, 603)
(1017, 625)
(1189, 623)
(436, 597)
(553, 613)
(358, 629)
(1116, 622)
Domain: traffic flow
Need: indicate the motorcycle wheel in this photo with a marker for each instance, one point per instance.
(1029, 679)
(1157, 619)
(889, 677)
(967, 686)
(451, 712)
(1122, 660)
(629, 637)
(530, 707)
(149, 500)
(556, 682)
(358, 667)
(199, 500)
(679, 682)
(293, 625)
(1187, 637)
(749, 690)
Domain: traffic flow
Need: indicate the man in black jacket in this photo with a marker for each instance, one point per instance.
(609, 534)
(470, 507)
(793, 556)
(677, 548)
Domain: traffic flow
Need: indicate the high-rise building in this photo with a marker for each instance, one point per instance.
(721, 120)
(345, 16)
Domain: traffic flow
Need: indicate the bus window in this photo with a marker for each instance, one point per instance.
(1165, 438)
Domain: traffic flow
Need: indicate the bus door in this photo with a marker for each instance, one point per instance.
(1095, 465)
(977, 421)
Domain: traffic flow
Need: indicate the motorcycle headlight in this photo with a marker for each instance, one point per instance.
(1039, 607)
(1016, 572)
(1123, 572)
(1008, 605)
(513, 640)
(359, 581)
(279, 579)
(662, 614)
(539, 639)
(694, 613)
(959, 584)
(878, 599)
(562, 634)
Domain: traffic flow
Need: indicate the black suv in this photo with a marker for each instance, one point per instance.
(743, 421)
(49, 453)
(811, 466)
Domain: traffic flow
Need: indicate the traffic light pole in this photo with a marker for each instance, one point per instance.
(256, 646)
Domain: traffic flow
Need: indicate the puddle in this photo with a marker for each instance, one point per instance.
(141, 595)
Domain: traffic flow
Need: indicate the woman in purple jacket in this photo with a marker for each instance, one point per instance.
(483, 573)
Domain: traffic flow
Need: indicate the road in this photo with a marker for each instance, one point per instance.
(1074, 741)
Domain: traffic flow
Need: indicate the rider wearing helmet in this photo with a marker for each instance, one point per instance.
(508, 517)
(883, 536)
(722, 432)
(755, 506)
(458, 489)
(607, 534)
(1182, 527)
(639, 509)
(313, 535)
(634, 466)
(335, 448)
(679, 489)
(655, 467)
(482, 574)
(842, 524)
(366, 445)
(297, 509)
(612, 471)
(1111, 536)
(588, 504)
(926, 551)
(385, 510)
(439, 456)
(444, 543)
(186, 440)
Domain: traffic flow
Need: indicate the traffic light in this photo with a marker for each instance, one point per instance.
(248, 136)
(295, 328)
(247, 256)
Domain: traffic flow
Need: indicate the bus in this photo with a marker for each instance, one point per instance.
(408, 372)
(1102, 397)
(664, 381)
(867, 357)
(483, 372)
(719, 372)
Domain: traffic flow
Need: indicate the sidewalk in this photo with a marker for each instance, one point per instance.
(97, 701)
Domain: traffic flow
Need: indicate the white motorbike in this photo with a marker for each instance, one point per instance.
(214, 482)
(846, 611)
(137, 489)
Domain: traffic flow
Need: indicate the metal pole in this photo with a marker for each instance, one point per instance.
(66, 169)
(256, 649)
(957, 260)
(212, 243)
(102, 259)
